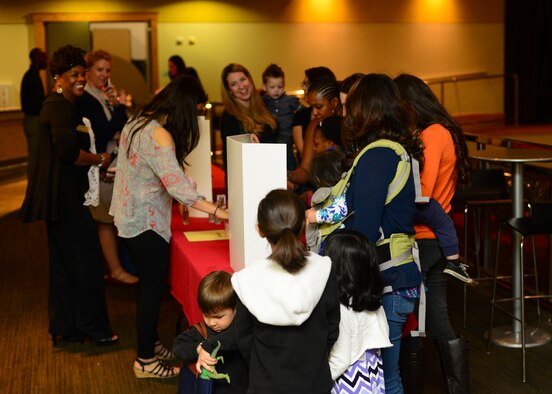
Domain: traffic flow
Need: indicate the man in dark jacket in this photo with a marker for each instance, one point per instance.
(32, 96)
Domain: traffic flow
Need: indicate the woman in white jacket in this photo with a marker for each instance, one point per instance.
(355, 359)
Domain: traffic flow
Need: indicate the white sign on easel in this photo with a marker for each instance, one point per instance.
(199, 167)
(253, 170)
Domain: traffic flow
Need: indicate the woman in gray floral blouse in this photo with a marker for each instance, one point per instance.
(153, 147)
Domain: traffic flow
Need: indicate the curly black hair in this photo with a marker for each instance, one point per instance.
(65, 58)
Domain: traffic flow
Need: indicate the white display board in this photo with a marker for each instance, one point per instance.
(199, 167)
(253, 170)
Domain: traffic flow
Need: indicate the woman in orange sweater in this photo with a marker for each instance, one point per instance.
(445, 162)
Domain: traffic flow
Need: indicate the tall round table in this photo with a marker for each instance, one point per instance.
(510, 336)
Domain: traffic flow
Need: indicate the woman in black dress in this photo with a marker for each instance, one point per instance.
(55, 193)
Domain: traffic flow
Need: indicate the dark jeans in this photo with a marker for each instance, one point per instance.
(433, 263)
(150, 254)
(438, 326)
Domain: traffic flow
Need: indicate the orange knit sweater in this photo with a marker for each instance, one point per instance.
(439, 172)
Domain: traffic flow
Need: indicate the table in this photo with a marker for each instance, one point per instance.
(522, 136)
(511, 336)
(191, 261)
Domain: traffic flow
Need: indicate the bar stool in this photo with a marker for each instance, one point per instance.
(487, 188)
(539, 222)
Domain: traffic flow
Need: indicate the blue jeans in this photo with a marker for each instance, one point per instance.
(397, 308)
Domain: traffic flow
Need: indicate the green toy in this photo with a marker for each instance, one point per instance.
(207, 375)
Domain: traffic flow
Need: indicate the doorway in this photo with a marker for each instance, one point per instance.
(52, 29)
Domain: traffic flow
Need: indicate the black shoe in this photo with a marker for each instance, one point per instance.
(66, 338)
(458, 270)
(106, 341)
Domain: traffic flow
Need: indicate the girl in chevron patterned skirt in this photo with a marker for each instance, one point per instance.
(355, 359)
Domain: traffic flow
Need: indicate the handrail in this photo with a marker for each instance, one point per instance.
(477, 76)
(456, 78)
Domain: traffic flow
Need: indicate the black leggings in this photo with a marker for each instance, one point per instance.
(433, 263)
(150, 254)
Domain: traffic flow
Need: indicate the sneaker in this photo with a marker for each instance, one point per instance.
(458, 270)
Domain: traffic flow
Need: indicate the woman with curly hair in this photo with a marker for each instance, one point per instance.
(375, 114)
(55, 193)
(244, 108)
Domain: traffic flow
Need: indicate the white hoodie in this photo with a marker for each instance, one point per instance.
(358, 332)
(279, 298)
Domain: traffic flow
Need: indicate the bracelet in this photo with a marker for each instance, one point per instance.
(102, 160)
(216, 209)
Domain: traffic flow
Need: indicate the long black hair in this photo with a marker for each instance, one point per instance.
(354, 257)
(175, 108)
(430, 111)
(180, 65)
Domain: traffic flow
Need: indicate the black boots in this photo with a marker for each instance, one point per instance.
(455, 366)
(411, 366)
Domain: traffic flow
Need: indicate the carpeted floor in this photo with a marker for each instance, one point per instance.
(30, 363)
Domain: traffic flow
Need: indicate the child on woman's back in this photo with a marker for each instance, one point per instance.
(363, 328)
(217, 301)
(287, 315)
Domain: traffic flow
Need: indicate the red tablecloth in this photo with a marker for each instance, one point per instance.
(191, 261)
(217, 176)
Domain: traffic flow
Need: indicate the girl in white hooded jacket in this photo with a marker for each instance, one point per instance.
(355, 359)
(287, 316)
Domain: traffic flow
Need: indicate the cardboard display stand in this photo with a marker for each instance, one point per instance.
(199, 165)
(253, 170)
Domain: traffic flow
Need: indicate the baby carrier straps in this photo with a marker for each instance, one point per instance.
(402, 247)
(325, 197)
